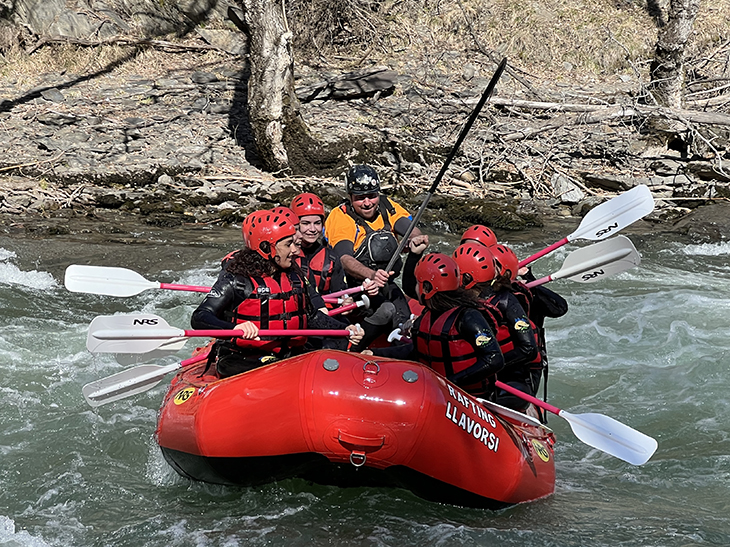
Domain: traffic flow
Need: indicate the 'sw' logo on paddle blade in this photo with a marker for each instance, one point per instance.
(592, 275)
(607, 230)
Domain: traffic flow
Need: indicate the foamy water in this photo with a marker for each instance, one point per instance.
(648, 347)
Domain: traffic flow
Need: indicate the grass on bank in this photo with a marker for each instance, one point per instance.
(551, 41)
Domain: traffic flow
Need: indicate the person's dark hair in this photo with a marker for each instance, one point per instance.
(499, 283)
(446, 300)
(250, 263)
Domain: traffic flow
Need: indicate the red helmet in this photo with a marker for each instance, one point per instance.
(477, 261)
(436, 272)
(506, 260)
(269, 227)
(288, 213)
(246, 224)
(480, 233)
(307, 204)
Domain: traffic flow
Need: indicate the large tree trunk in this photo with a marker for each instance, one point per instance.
(667, 68)
(272, 104)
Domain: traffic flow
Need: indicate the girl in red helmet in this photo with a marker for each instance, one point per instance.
(493, 284)
(317, 259)
(294, 218)
(453, 336)
(261, 288)
(479, 234)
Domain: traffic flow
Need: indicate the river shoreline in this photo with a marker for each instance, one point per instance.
(112, 154)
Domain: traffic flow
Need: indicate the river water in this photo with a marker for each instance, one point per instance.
(648, 347)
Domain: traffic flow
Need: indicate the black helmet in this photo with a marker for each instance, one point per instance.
(362, 179)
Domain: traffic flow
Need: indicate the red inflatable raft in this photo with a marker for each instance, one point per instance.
(348, 419)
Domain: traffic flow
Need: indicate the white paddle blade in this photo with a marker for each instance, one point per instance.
(611, 216)
(138, 333)
(125, 384)
(611, 436)
(165, 350)
(105, 280)
(604, 259)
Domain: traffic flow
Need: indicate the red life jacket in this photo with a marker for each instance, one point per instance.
(523, 295)
(277, 302)
(439, 345)
(319, 268)
(504, 337)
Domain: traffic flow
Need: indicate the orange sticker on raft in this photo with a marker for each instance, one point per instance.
(184, 395)
(540, 450)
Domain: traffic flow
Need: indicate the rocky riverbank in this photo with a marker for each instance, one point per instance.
(158, 137)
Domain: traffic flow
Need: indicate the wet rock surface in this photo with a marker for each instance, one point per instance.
(111, 151)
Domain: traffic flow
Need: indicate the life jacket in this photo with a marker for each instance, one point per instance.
(492, 314)
(276, 302)
(523, 295)
(504, 336)
(319, 268)
(439, 345)
(379, 246)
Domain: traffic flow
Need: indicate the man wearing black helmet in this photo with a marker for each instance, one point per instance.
(362, 232)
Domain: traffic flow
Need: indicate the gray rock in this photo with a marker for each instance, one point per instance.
(707, 224)
(564, 189)
(227, 40)
(468, 72)
(201, 77)
(228, 205)
(53, 119)
(666, 167)
(53, 95)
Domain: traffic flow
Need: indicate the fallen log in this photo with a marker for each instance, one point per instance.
(353, 85)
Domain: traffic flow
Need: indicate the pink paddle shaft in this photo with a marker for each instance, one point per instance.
(545, 251)
(333, 296)
(526, 397)
(270, 332)
(191, 288)
(343, 309)
(540, 281)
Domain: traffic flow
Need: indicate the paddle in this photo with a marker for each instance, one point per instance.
(334, 296)
(130, 382)
(365, 301)
(599, 431)
(113, 281)
(606, 219)
(594, 262)
(472, 118)
(142, 333)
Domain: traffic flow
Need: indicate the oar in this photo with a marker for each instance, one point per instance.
(599, 431)
(594, 262)
(365, 301)
(132, 381)
(333, 297)
(142, 333)
(165, 350)
(472, 118)
(114, 281)
(606, 219)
